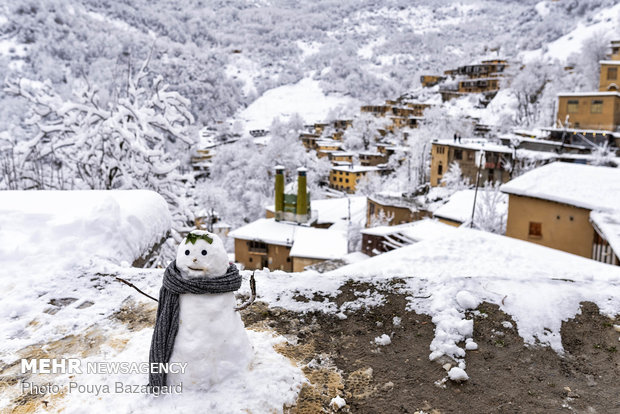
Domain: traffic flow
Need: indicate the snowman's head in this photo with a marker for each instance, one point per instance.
(202, 254)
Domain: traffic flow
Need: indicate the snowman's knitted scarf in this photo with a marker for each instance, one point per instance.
(167, 322)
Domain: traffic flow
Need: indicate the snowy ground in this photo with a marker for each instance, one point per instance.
(61, 302)
(304, 98)
(445, 277)
(59, 253)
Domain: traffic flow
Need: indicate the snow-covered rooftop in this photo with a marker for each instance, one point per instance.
(268, 231)
(585, 186)
(331, 210)
(476, 144)
(589, 94)
(305, 241)
(355, 168)
(608, 223)
(460, 205)
(316, 243)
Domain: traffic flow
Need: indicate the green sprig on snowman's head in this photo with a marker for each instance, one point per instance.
(192, 238)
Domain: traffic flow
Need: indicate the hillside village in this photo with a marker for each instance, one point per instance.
(420, 201)
(517, 182)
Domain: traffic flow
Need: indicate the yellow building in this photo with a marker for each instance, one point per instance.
(309, 140)
(345, 178)
(286, 246)
(370, 158)
(466, 154)
(336, 157)
(553, 206)
(593, 110)
(325, 146)
(377, 110)
(609, 79)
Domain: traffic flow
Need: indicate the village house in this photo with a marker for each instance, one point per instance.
(467, 153)
(346, 178)
(325, 146)
(309, 141)
(484, 77)
(395, 208)
(382, 239)
(598, 111)
(340, 157)
(372, 158)
(589, 110)
(569, 207)
(287, 241)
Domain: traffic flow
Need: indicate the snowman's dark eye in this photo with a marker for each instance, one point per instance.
(204, 252)
(186, 252)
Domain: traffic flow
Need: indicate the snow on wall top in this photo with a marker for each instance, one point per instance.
(609, 225)
(461, 203)
(585, 186)
(41, 227)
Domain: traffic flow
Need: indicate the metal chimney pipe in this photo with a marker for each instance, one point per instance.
(302, 195)
(279, 190)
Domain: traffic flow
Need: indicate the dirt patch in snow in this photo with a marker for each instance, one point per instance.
(342, 359)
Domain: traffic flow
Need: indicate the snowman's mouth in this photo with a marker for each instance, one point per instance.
(198, 270)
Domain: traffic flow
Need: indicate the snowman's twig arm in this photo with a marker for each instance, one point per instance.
(252, 298)
(135, 287)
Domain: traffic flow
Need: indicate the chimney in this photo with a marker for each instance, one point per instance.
(279, 202)
(302, 196)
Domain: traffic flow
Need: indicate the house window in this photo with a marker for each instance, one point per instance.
(458, 154)
(612, 73)
(439, 169)
(346, 181)
(257, 246)
(535, 229)
(573, 105)
(470, 155)
(597, 106)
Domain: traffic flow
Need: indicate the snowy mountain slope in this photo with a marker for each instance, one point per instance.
(362, 49)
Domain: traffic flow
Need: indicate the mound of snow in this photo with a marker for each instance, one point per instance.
(304, 98)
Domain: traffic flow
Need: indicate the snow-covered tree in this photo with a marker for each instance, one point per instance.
(453, 178)
(491, 210)
(132, 142)
(604, 155)
(381, 218)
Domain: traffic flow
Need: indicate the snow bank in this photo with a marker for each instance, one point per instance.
(537, 286)
(52, 245)
(41, 227)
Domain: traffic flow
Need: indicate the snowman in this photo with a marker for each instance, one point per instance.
(196, 321)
